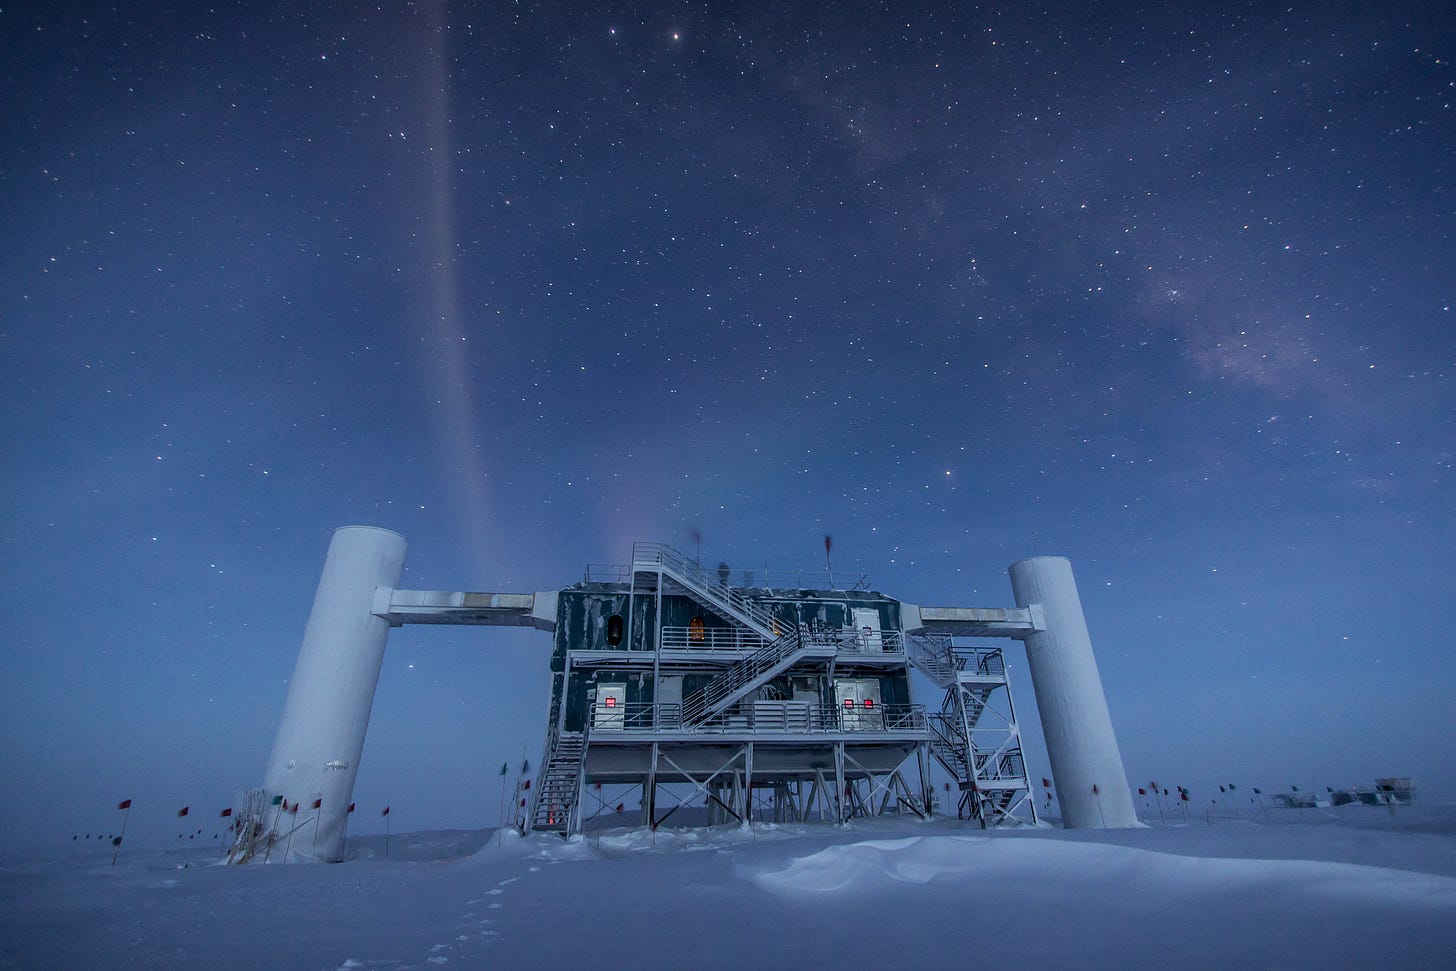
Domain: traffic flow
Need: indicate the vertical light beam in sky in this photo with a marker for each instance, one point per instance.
(462, 463)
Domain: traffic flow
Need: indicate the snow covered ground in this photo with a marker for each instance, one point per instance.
(1312, 888)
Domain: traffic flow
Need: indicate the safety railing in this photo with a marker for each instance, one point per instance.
(607, 573)
(932, 654)
(710, 589)
(742, 676)
(754, 578)
(791, 717)
(846, 640)
(938, 656)
(710, 639)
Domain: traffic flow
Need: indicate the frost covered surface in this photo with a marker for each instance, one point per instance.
(1326, 889)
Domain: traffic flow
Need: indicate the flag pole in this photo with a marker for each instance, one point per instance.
(125, 815)
(500, 814)
(273, 830)
(291, 830)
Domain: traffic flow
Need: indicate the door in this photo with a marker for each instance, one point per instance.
(859, 704)
(611, 707)
(867, 630)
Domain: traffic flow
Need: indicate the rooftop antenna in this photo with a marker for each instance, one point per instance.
(1034, 550)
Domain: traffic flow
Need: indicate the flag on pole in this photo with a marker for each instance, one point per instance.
(828, 542)
(124, 804)
(1046, 783)
(351, 807)
(226, 812)
(318, 804)
(277, 801)
(293, 808)
(1258, 791)
(1232, 787)
(386, 811)
(503, 767)
(183, 811)
(1142, 791)
(527, 786)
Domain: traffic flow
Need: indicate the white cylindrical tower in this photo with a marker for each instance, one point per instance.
(321, 736)
(1086, 764)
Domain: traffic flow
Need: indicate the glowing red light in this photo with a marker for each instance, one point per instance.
(610, 702)
(869, 702)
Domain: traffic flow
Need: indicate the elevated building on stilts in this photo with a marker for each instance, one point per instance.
(718, 696)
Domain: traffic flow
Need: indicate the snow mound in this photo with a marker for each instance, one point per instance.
(871, 867)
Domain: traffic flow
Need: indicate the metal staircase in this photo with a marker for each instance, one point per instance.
(991, 777)
(784, 649)
(559, 786)
(723, 600)
(932, 656)
(749, 674)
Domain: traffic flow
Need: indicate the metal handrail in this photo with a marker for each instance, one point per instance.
(849, 640)
(760, 716)
(756, 579)
(715, 593)
(722, 688)
(711, 639)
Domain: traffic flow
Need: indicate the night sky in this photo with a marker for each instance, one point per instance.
(1166, 291)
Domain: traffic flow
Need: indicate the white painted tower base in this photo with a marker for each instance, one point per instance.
(321, 735)
(1086, 764)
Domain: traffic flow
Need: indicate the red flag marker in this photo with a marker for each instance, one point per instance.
(1046, 783)
(318, 803)
(351, 807)
(183, 811)
(124, 804)
(226, 812)
(386, 811)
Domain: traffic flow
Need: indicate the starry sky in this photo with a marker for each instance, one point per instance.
(1167, 291)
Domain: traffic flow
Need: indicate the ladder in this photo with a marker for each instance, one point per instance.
(559, 785)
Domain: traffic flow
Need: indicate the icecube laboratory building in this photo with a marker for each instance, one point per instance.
(736, 694)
